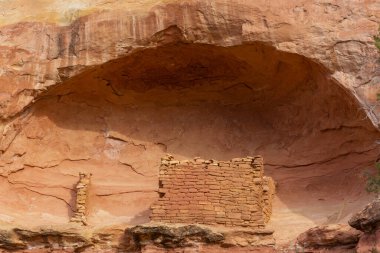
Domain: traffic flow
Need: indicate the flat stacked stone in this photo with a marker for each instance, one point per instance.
(80, 214)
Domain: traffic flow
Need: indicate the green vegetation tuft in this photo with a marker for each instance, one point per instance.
(377, 42)
(373, 181)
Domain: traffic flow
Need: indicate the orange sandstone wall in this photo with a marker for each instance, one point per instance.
(230, 193)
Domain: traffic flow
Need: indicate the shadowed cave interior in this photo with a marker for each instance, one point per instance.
(118, 119)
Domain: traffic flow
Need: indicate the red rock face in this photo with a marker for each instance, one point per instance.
(338, 237)
(369, 242)
(299, 99)
(368, 221)
(117, 120)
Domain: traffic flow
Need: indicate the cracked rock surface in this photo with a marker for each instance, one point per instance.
(110, 87)
(117, 120)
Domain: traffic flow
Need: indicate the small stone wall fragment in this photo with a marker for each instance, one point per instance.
(81, 199)
(269, 189)
(229, 193)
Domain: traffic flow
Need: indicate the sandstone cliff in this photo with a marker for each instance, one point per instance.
(109, 87)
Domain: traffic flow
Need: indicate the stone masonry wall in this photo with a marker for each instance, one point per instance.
(229, 193)
(269, 189)
(81, 199)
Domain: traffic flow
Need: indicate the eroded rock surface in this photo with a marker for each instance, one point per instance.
(109, 87)
(139, 239)
(171, 238)
(368, 221)
(369, 242)
(338, 237)
(117, 120)
(40, 239)
(39, 53)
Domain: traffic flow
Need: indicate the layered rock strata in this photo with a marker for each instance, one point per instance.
(147, 238)
(228, 193)
(203, 239)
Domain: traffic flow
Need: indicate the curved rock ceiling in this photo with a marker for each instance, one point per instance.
(117, 120)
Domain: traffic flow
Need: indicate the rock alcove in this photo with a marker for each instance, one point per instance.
(117, 120)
